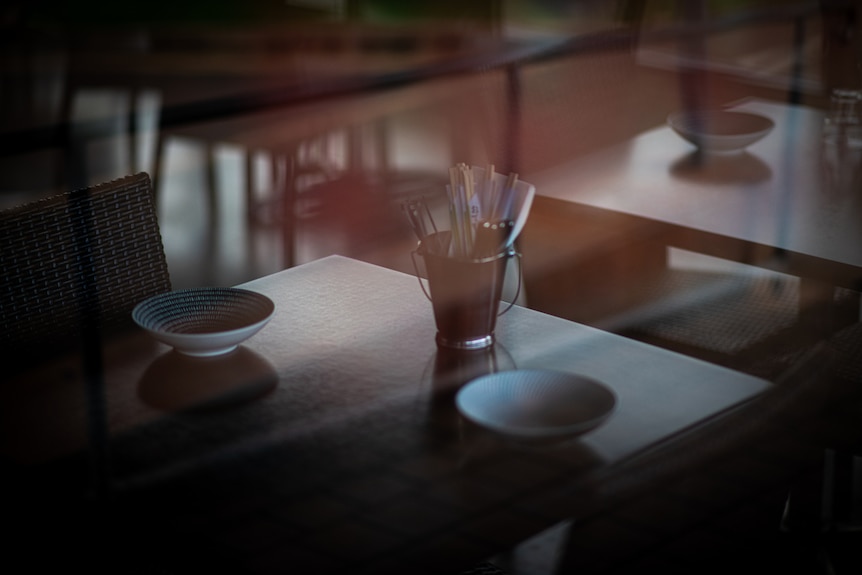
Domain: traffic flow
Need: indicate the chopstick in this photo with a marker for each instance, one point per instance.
(461, 193)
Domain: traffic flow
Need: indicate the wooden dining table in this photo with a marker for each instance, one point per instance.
(330, 442)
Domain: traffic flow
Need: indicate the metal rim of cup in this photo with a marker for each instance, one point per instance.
(506, 252)
(481, 342)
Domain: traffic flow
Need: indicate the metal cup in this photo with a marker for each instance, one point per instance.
(464, 293)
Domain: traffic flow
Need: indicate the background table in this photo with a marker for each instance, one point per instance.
(771, 196)
(333, 443)
(772, 206)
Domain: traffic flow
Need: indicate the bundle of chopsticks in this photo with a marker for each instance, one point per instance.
(480, 213)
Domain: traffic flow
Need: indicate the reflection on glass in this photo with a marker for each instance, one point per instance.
(841, 140)
(447, 371)
(452, 368)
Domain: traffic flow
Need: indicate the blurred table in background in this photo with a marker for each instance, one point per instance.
(780, 205)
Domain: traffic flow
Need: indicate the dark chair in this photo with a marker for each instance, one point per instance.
(756, 323)
(614, 272)
(76, 261)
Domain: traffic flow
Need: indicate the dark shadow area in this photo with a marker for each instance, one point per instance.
(178, 383)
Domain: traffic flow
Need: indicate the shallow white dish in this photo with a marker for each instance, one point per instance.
(204, 321)
(720, 131)
(536, 404)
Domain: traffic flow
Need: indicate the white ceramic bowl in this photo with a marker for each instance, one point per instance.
(536, 404)
(204, 321)
(720, 131)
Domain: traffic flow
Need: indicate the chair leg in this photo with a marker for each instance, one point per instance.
(288, 209)
(212, 197)
(155, 176)
(133, 128)
(211, 184)
(250, 203)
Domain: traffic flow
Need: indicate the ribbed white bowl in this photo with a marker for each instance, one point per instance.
(720, 131)
(204, 321)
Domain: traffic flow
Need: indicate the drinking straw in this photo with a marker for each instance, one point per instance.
(492, 199)
(452, 193)
(466, 209)
(509, 195)
(488, 191)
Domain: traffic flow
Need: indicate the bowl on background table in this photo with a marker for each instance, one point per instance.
(720, 131)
